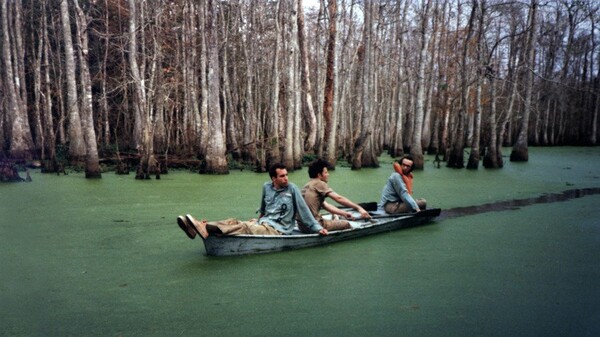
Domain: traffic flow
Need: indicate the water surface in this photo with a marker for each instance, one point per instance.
(106, 258)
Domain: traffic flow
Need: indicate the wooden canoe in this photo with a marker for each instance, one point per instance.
(256, 244)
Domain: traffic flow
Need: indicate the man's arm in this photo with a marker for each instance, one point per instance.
(334, 210)
(304, 213)
(262, 208)
(402, 191)
(346, 202)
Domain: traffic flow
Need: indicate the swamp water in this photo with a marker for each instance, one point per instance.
(106, 258)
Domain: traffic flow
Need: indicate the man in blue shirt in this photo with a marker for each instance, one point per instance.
(281, 201)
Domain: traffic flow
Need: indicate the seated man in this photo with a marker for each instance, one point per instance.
(281, 202)
(397, 192)
(315, 192)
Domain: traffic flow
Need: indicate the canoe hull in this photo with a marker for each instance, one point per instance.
(257, 244)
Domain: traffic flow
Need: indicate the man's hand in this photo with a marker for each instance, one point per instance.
(364, 214)
(348, 216)
(323, 232)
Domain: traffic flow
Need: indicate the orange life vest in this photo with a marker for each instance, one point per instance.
(408, 179)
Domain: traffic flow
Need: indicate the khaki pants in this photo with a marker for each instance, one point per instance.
(235, 227)
(403, 207)
(335, 225)
(330, 225)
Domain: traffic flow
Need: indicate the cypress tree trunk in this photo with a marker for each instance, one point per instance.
(215, 161)
(92, 163)
(520, 150)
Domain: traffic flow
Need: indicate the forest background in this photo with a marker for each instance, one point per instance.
(151, 83)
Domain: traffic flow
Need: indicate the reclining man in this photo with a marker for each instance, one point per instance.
(281, 202)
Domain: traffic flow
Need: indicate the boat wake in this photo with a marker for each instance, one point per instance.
(517, 203)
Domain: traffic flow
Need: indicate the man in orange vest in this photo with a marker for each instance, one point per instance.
(397, 192)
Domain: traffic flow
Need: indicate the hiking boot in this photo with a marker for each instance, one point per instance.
(199, 226)
(186, 226)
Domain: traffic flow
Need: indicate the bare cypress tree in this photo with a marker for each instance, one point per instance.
(215, 161)
(514, 63)
(298, 149)
(249, 116)
(21, 141)
(271, 139)
(416, 149)
(37, 50)
(77, 148)
(346, 58)
(231, 120)
(593, 134)
(148, 162)
(48, 124)
(291, 60)
(456, 159)
(310, 119)
(397, 144)
(475, 155)
(367, 111)
(329, 147)
(430, 118)
(194, 114)
(92, 163)
(203, 122)
(490, 160)
(520, 150)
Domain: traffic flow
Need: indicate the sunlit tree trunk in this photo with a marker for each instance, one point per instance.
(346, 58)
(319, 75)
(147, 164)
(271, 139)
(105, 125)
(397, 146)
(366, 110)
(440, 88)
(298, 147)
(194, 112)
(48, 125)
(20, 139)
(291, 33)
(37, 50)
(249, 118)
(202, 120)
(92, 163)
(430, 118)
(230, 124)
(451, 86)
(77, 148)
(309, 117)
(329, 148)
(215, 161)
(416, 148)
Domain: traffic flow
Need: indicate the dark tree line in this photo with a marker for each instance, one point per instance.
(272, 81)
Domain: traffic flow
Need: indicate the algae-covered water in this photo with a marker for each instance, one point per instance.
(105, 258)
